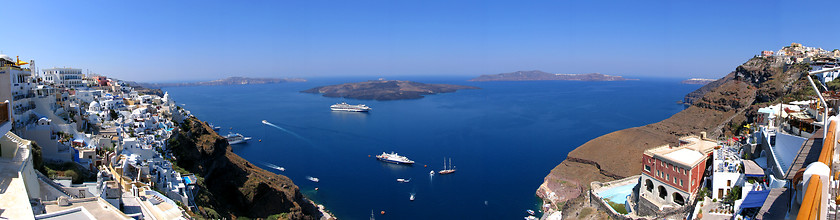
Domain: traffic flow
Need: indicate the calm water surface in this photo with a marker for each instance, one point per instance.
(503, 139)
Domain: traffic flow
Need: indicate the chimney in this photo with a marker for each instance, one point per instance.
(702, 135)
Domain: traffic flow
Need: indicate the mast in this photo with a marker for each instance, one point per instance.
(450, 163)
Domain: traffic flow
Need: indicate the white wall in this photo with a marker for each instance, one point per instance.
(719, 180)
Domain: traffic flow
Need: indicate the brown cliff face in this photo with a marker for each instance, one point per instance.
(720, 108)
(231, 186)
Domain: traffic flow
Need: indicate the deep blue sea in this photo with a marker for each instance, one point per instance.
(503, 139)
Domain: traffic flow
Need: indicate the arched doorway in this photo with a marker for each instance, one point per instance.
(649, 185)
(678, 199)
(662, 192)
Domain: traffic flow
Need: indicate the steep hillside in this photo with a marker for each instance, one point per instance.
(719, 108)
(230, 185)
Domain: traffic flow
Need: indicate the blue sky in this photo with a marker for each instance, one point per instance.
(198, 40)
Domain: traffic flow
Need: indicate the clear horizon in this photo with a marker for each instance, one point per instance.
(196, 40)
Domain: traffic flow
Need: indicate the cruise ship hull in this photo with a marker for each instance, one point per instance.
(349, 110)
(394, 161)
(238, 141)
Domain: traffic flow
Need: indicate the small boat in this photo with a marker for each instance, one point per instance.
(530, 212)
(446, 170)
(530, 217)
(275, 167)
(236, 138)
(412, 197)
(431, 173)
(215, 128)
(313, 179)
(403, 180)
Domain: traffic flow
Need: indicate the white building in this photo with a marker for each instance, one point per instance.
(725, 174)
(68, 77)
(826, 76)
(43, 133)
(17, 88)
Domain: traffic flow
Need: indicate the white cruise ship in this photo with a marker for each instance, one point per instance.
(236, 138)
(394, 158)
(350, 108)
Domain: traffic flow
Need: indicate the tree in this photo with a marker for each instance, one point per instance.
(734, 194)
(113, 114)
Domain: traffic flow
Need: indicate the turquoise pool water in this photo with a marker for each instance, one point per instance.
(618, 194)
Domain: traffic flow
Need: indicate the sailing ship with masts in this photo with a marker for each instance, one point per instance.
(449, 169)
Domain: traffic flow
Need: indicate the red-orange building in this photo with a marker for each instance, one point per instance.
(672, 175)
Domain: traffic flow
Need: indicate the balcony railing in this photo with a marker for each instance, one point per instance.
(23, 96)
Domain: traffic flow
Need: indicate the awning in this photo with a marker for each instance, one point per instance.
(755, 199)
(751, 169)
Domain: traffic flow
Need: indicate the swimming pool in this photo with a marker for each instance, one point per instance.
(617, 194)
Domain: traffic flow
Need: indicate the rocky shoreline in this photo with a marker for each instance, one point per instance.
(231, 186)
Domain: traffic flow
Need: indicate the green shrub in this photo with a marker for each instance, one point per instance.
(72, 174)
(618, 207)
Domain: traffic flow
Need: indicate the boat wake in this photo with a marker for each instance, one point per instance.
(272, 166)
(346, 134)
(287, 131)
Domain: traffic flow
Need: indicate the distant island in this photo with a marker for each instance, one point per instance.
(385, 90)
(226, 81)
(697, 81)
(536, 75)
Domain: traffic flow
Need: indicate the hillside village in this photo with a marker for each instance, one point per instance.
(87, 145)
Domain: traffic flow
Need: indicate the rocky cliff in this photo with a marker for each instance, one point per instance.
(231, 186)
(720, 108)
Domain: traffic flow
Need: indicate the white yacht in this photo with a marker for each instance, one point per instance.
(394, 158)
(350, 108)
(236, 138)
(313, 179)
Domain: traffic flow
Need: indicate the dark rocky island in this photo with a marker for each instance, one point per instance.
(226, 81)
(536, 75)
(697, 81)
(385, 90)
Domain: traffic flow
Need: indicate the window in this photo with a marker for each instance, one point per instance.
(668, 177)
(728, 182)
(647, 168)
(681, 182)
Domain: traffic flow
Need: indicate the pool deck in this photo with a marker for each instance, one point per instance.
(597, 188)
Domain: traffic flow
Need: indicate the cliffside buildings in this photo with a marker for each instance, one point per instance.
(107, 129)
(672, 175)
(68, 77)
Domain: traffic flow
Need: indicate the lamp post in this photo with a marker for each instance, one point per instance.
(825, 115)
